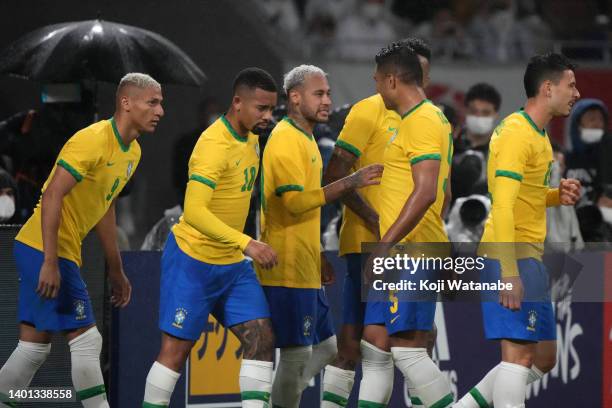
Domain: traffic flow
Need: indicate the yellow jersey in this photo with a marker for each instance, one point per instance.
(520, 151)
(101, 164)
(228, 163)
(291, 162)
(424, 134)
(366, 132)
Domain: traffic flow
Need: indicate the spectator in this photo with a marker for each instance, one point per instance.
(467, 218)
(445, 35)
(469, 170)
(8, 199)
(562, 227)
(588, 125)
(282, 14)
(361, 35)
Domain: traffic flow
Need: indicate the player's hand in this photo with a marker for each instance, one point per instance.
(261, 253)
(49, 280)
(367, 176)
(121, 288)
(511, 299)
(328, 275)
(569, 191)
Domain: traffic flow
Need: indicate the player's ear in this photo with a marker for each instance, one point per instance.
(237, 102)
(125, 102)
(294, 96)
(546, 88)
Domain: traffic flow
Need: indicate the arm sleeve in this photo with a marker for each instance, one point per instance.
(197, 214)
(552, 197)
(358, 127)
(511, 155)
(422, 140)
(81, 153)
(505, 194)
(289, 179)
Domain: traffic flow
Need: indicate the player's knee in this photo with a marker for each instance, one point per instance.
(174, 352)
(35, 353)
(264, 351)
(88, 343)
(546, 363)
(328, 349)
(377, 337)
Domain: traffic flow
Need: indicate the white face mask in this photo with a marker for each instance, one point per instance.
(590, 135)
(479, 125)
(7, 207)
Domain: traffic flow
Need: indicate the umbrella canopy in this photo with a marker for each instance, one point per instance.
(97, 50)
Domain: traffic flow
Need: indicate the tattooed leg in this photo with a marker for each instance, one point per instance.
(257, 339)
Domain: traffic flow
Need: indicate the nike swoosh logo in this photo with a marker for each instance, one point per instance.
(110, 164)
(394, 319)
(238, 162)
(314, 159)
(392, 129)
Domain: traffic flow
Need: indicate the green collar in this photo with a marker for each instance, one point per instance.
(118, 136)
(415, 107)
(232, 131)
(522, 112)
(295, 125)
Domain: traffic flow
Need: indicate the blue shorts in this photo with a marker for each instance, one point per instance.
(353, 309)
(536, 319)
(70, 310)
(190, 290)
(375, 313)
(403, 313)
(300, 317)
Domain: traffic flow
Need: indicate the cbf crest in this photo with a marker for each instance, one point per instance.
(179, 318)
(532, 320)
(79, 309)
(130, 167)
(307, 325)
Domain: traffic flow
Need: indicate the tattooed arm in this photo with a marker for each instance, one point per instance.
(339, 167)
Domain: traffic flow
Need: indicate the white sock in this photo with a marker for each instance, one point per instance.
(86, 372)
(19, 369)
(287, 386)
(337, 386)
(481, 396)
(510, 386)
(377, 381)
(255, 383)
(426, 384)
(322, 354)
(160, 385)
(534, 374)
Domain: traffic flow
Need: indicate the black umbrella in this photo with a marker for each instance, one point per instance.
(97, 50)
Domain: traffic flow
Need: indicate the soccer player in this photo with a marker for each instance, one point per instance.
(291, 201)
(520, 159)
(413, 194)
(91, 170)
(203, 266)
(368, 128)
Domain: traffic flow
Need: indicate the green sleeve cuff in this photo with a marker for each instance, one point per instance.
(203, 180)
(432, 156)
(78, 177)
(509, 174)
(288, 187)
(348, 147)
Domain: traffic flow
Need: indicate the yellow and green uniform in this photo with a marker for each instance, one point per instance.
(424, 134)
(102, 165)
(291, 163)
(518, 171)
(227, 163)
(367, 130)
